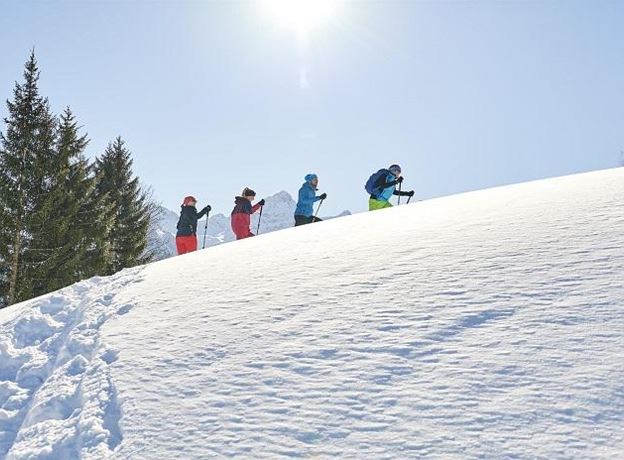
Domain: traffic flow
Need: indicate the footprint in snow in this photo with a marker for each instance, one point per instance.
(109, 356)
(53, 305)
(124, 309)
(32, 330)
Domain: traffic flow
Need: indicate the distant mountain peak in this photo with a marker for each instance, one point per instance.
(283, 195)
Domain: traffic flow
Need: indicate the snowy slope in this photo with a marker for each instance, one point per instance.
(483, 325)
(277, 215)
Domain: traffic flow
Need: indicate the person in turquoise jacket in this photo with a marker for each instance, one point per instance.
(382, 186)
(304, 214)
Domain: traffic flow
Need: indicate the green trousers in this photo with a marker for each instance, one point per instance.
(374, 204)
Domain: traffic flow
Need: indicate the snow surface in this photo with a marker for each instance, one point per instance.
(483, 325)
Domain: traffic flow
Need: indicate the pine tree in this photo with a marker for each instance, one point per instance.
(90, 211)
(26, 153)
(71, 224)
(132, 210)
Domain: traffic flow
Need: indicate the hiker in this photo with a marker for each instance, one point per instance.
(241, 214)
(186, 237)
(304, 214)
(382, 185)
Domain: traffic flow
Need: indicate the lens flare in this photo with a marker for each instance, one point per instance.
(301, 16)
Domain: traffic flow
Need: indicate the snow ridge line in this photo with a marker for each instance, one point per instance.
(57, 399)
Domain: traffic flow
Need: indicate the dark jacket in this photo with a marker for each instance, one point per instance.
(241, 217)
(187, 225)
(385, 187)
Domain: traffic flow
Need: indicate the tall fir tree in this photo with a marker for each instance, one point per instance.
(26, 154)
(63, 219)
(132, 209)
(91, 228)
(71, 215)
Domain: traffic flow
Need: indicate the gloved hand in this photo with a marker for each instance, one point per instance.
(208, 208)
(399, 179)
(410, 193)
(323, 196)
(261, 202)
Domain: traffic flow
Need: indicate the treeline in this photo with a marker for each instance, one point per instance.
(63, 218)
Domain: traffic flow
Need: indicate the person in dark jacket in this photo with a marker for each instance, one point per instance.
(186, 238)
(241, 214)
(304, 214)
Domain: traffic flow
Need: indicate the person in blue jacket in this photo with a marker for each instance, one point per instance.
(304, 214)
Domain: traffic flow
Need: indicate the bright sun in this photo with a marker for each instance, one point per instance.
(301, 16)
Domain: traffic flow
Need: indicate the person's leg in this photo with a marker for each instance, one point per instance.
(180, 246)
(186, 244)
(242, 236)
(374, 204)
(300, 220)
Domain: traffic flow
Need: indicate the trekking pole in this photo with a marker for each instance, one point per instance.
(259, 219)
(408, 199)
(399, 200)
(318, 209)
(205, 230)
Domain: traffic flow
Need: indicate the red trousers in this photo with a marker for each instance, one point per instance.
(186, 244)
(243, 235)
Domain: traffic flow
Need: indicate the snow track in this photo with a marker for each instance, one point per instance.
(57, 400)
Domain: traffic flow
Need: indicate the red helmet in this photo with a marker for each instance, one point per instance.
(188, 200)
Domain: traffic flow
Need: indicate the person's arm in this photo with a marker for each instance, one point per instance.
(382, 184)
(410, 193)
(391, 183)
(203, 212)
(308, 197)
(257, 206)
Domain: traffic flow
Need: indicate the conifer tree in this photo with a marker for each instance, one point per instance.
(71, 224)
(26, 153)
(132, 210)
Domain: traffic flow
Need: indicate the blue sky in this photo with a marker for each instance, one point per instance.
(209, 97)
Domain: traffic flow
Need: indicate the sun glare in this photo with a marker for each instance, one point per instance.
(301, 16)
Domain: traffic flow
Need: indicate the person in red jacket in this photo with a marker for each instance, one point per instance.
(241, 214)
(186, 238)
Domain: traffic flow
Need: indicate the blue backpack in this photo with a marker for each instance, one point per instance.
(373, 181)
